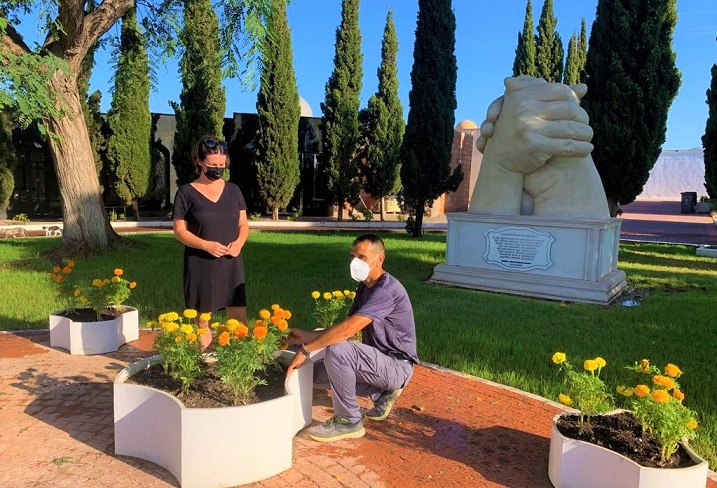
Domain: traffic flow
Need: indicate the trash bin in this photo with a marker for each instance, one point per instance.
(689, 200)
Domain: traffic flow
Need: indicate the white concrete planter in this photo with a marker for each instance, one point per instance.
(82, 338)
(573, 463)
(210, 447)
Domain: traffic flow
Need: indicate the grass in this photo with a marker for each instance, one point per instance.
(503, 338)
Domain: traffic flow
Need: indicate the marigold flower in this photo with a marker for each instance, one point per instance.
(67, 270)
(71, 264)
(660, 396)
(115, 279)
(132, 285)
(601, 362)
(692, 424)
(118, 272)
(624, 390)
(205, 317)
(170, 326)
(275, 306)
(673, 371)
(287, 314)
(282, 325)
(259, 323)
(565, 399)
(353, 295)
(275, 319)
(644, 365)
(232, 324)
(151, 324)
(223, 339)
(559, 357)
(201, 331)
(264, 313)
(77, 292)
(97, 282)
(347, 293)
(315, 295)
(241, 332)
(58, 279)
(192, 337)
(259, 332)
(56, 269)
(161, 318)
(665, 381)
(190, 313)
(338, 294)
(172, 316)
(186, 328)
(52, 275)
(590, 365)
(641, 391)
(178, 339)
(106, 281)
(214, 325)
(678, 395)
(327, 296)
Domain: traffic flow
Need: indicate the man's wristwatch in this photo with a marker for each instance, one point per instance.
(303, 351)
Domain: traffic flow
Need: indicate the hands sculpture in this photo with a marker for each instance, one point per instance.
(536, 154)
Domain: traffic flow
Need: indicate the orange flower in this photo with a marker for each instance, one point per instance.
(58, 279)
(287, 314)
(106, 281)
(201, 331)
(275, 306)
(241, 332)
(132, 285)
(118, 272)
(223, 339)
(282, 325)
(71, 264)
(678, 395)
(660, 396)
(259, 323)
(178, 339)
(191, 337)
(665, 381)
(641, 391)
(673, 371)
(275, 319)
(692, 424)
(52, 275)
(56, 269)
(67, 270)
(259, 332)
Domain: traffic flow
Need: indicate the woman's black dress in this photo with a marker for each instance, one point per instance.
(210, 283)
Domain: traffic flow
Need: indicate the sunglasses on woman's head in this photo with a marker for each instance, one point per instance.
(211, 144)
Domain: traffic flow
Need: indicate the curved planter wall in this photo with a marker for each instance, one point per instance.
(82, 338)
(210, 447)
(574, 463)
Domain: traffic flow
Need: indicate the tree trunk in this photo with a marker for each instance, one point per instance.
(275, 213)
(612, 206)
(383, 208)
(418, 226)
(135, 209)
(86, 228)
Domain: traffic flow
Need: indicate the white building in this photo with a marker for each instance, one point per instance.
(676, 171)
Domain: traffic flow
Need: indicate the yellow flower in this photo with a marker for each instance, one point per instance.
(590, 365)
(353, 295)
(186, 328)
(190, 313)
(214, 325)
(347, 293)
(338, 294)
(641, 391)
(600, 361)
(673, 371)
(678, 395)
(118, 272)
(232, 324)
(201, 331)
(660, 396)
(172, 316)
(106, 281)
(327, 295)
(151, 324)
(264, 313)
(170, 326)
(84, 300)
(692, 424)
(559, 357)
(205, 317)
(665, 381)
(275, 306)
(161, 318)
(115, 279)
(644, 365)
(97, 282)
(315, 295)
(624, 390)
(565, 399)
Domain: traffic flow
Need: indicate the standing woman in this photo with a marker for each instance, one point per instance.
(210, 220)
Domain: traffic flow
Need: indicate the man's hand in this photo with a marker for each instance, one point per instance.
(298, 336)
(299, 359)
(216, 249)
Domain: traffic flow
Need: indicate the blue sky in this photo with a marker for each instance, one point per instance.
(486, 36)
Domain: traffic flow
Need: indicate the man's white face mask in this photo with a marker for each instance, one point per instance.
(359, 269)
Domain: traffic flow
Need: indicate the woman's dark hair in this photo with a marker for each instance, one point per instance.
(207, 145)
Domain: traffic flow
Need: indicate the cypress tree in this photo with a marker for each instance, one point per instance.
(385, 126)
(524, 63)
(8, 160)
(549, 47)
(340, 110)
(571, 75)
(426, 150)
(582, 49)
(277, 136)
(203, 99)
(129, 120)
(709, 140)
(632, 79)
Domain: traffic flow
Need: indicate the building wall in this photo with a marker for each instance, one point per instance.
(463, 152)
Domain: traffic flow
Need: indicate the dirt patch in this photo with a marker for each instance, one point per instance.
(89, 315)
(623, 434)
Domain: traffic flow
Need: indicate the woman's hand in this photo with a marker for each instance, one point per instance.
(234, 249)
(216, 249)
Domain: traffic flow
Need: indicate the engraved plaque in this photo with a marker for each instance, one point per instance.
(518, 248)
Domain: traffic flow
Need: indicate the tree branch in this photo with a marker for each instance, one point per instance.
(13, 42)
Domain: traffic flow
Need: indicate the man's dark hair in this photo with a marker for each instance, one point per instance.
(376, 241)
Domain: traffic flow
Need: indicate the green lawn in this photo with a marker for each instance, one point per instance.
(503, 338)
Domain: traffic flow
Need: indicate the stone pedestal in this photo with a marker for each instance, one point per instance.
(559, 259)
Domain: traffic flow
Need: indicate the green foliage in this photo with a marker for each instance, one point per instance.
(21, 217)
(202, 99)
(524, 63)
(179, 346)
(709, 139)
(426, 149)
(129, 121)
(8, 160)
(331, 307)
(277, 135)
(632, 79)
(660, 412)
(383, 125)
(549, 46)
(340, 108)
(584, 389)
(577, 55)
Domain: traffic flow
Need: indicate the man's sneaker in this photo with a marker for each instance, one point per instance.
(383, 404)
(335, 429)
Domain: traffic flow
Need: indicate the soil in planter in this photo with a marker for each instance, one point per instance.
(209, 391)
(623, 434)
(89, 315)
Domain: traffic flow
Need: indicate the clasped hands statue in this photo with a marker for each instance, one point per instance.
(536, 154)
